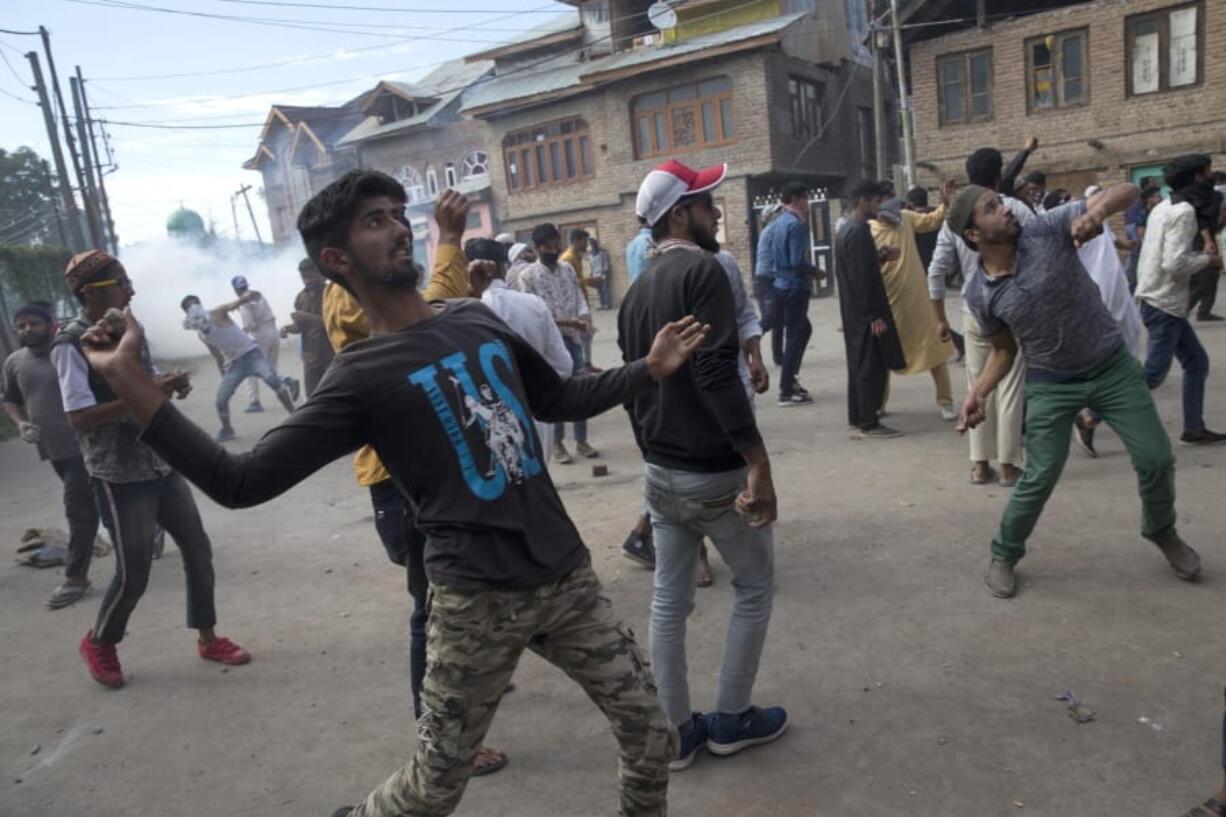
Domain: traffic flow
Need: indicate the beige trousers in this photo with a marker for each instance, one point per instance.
(999, 437)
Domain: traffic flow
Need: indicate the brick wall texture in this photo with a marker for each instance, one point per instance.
(1133, 130)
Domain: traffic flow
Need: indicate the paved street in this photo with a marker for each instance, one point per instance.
(911, 690)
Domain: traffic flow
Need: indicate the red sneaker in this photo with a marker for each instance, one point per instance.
(224, 651)
(103, 662)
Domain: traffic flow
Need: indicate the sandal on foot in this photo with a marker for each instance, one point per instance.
(991, 477)
(494, 761)
(67, 594)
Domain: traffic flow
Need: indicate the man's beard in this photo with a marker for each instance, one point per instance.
(703, 239)
(394, 275)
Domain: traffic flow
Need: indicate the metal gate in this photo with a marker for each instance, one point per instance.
(821, 242)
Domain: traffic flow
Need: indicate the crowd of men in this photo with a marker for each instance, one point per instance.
(455, 393)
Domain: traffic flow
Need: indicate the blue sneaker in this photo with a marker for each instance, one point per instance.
(693, 735)
(729, 734)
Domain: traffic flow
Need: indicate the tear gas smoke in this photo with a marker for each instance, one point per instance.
(165, 270)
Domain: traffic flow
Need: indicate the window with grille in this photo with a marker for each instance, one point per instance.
(431, 183)
(475, 165)
(964, 85)
(1164, 49)
(683, 118)
(1058, 76)
(449, 174)
(548, 155)
(408, 176)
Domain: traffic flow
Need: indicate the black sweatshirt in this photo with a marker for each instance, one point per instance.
(699, 419)
(445, 403)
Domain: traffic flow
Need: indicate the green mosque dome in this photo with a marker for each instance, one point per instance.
(185, 223)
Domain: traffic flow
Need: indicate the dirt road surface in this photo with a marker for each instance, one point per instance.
(911, 690)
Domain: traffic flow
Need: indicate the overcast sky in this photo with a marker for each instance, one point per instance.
(119, 47)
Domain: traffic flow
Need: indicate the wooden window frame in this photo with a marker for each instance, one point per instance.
(964, 58)
(1057, 70)
(1162, 17)
(695, 104)
(560, 149)
(801, 127)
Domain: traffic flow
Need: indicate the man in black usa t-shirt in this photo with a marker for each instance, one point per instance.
(446, 394)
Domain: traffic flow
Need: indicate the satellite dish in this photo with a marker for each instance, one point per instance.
(662, 16)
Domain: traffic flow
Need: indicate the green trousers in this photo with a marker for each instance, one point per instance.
(1118, 392)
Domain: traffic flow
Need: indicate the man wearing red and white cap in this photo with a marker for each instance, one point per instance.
(708, 473)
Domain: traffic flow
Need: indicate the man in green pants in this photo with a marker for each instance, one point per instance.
(1031, 289)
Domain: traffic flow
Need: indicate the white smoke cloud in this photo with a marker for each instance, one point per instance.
(165, 270)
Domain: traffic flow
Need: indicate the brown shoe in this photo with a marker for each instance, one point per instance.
(1000, 579)
(1183, 559)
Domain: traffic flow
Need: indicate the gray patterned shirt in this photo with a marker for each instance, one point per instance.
(1050, 303)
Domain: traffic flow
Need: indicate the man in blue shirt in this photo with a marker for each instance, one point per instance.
(793, 284)
(764, 281)
(636, 252)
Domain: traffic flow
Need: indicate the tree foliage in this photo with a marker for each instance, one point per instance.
(27, 206)
(35, 274)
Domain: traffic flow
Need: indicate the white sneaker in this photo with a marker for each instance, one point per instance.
(949, 413)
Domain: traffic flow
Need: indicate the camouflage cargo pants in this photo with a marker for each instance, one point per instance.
(475, 640)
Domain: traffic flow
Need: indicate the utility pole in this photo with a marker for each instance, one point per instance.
(93, 142)
(878, 105)
(904, 105)
(72, 145)
(59, 217)
(77, 242)
(91, 199)
(242, 191)
(234, 214)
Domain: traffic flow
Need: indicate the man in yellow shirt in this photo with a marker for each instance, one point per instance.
(346, 323)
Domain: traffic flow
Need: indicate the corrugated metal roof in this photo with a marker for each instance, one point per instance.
(444, 83)
(569, 75)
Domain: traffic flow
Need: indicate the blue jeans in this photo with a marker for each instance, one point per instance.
(252, 364)
(685, 506)
(768, 308)
(794, 316)
(1169, 337)
(579, 362)
(405, 545)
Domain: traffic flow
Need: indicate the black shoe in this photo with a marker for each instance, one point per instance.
(796, 398)
(639, 548)
(1202, 437)
(1084, 435)
(253, 408)
(799, 389)
(295, 388)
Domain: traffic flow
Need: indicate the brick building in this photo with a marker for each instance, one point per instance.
(777, 90)
(1112, 88)
(563, 123)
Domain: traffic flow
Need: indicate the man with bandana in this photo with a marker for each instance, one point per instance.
(135, 490)
(1168, 262)
(238, 356)
(31, 397)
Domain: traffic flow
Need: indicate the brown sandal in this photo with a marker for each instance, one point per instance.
(494, 761)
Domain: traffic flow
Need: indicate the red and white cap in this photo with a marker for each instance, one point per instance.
(669, 183)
